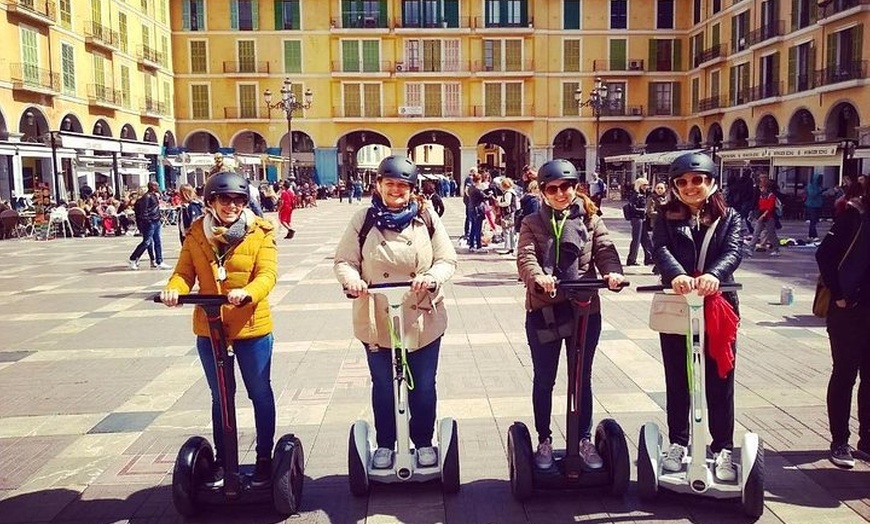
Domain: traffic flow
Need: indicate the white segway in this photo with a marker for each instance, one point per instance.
(361, 442)
(697, 474)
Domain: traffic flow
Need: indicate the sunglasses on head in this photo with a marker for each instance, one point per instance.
(226, 200)
(551, 189)
(696, 180)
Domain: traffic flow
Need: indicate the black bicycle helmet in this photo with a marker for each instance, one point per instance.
(559, 169)
(398, 167)
(692, 163)
(225, 183)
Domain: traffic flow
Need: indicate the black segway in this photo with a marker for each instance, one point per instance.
(195, 459)
(696, 475)
(569, 472)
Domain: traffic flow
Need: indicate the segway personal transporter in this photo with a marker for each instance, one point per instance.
(196, 458)
(697, 474)
(569, 472)
(361, 442)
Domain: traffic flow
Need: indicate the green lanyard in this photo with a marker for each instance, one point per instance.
(557, 231)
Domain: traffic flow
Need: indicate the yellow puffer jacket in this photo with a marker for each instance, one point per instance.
(252, 265)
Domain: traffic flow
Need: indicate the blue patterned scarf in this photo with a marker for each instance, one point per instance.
(393, 220)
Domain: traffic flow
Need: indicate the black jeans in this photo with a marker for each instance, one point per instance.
(639, 236)
(849, 332)
(720, 396)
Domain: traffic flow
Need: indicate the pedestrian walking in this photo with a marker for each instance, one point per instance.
(508, 202)
(149, 223)
(191, 208)
(768, 209)
(597, 190)
(637, 202)
(813, 202)
(286, 203)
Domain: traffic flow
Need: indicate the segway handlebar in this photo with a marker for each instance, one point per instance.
(389, 285)
(201, 300)
(583, 284)
(727, 286)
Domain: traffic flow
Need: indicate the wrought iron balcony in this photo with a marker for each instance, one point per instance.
(29, 77)
(356, 19)
(362, 66)
(105, 96)
(520, 66)
(150, 57)
(711, 53)
(100, 35)
(432, 22)
(242, 113)
(151, 106)
(802, 81)
(837, 6)
(763, 91)
(709, 103)
(246, 67)
(40, 11)
(855, 70)
(765, 32)
(620, 65)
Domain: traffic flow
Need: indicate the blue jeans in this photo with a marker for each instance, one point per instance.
(150, 240)
(421, 400)
(812, 214)
(545, 362)
(255, 362)
(469, 211)
(475, 240)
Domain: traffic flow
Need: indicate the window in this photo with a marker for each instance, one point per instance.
(68, 67)
(99, 70)
(663, 98)
(717, 6)
(452, 102)
(437, 55)
(436, 99)
(492, 55)
(148, 84)
(146, 36)
(247, 56)
(193, 15)
(714, 86)
(164, 50)
(801, 65)
(144, 6)
(97, 11)
(29, 56)
(619, 14)
(571, 56)
(362, 100)
(167, 99)
(665, 14)
(125, 86)
(65, 13)
(200, 103)
(572, 14)
(244, 15)
(247, 100)
(513, 55)
(696, 94)
(122, 31)
(287, 14)
(162, 14)
(432, 59)
(696, 12)
(364, 13)
(664, 55)
(503, 99)
(292, 56)
(505, 13)
(503, 55)
(569, 105)
(618, 53)
(430, 13)
(198, 57)
(739, 32)
(739, 84)
(768, 76)
(697, 48)
(360, 56)
(844, 50)
(432, 100)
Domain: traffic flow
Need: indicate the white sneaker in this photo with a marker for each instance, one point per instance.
(724, 467)
(426, 457)
(544, 455)
(132, 264)
(590, 455)
(673, 459)
(163, 265)
(382, 459)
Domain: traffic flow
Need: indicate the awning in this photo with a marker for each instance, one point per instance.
(810, 155)
(631, 157)
(248, 160)
(663, 158)
(862, 152)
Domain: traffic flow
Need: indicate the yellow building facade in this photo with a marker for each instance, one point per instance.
(86, 94)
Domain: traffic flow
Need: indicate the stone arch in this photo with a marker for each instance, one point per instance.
(442, 156)
(168, 139)
(128, 133)
(149, 135)
(515, 146)
(661, 139)
(801, 126)
(738, 134)
(695, 138)
(102, 128)
(70, 122)
(248, 142)
(202, 141)
(715, 135)
(842, 121)
(570, 144)
(767, 131)
(33, 124)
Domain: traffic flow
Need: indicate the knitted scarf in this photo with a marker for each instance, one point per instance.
(565, 265)
(393, 220)
(223, 237)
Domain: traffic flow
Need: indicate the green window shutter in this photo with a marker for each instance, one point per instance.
(513, 54)
(794, 15)
(451, 12)
(858, 43)
(617, 54)
(524, 12)
(492, 94)
(774, 70)
(676, 102)
(350, 56)
(571, 56)
(716, 35)
(372, 93)
(569, 105)
(292, 56)
(653, 55)
(255, 15)
(371, 55)
(352, 101)
(734, 34)
(185, 15)
(279, 14)
(792, 68)
(651, 98)
(744, 83)
(831, 59)
(572, 14)
(234, 14)
(513, 99)
(382, 16)
(432, 100)
(678, 55)
(295, 22)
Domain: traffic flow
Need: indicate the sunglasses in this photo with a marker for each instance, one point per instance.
(563, 187)
(226, 200)
(696, 180)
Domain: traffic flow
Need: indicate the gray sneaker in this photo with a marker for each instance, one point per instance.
(382, 459)
(544, 455)
(841, 455)
(673, 459)
(589, 454)
(725, 466)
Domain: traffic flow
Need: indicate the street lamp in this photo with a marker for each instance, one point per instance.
(289, 104)
(598, 101)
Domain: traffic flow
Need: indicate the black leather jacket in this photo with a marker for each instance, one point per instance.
(676, 252)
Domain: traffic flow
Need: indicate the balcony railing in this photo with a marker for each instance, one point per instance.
(621, 111)
(711, 53)
(37, 10)
(437, 22)
(243, 113)
(153, 107)
(503, 112)
(709, 103)
(372, 19)
(29, 76)
(839, 5)
(801, 82)
(763, 91)
(603, 65)
(150, 57)
(740, 97)
(854, 70)
(433, 66)
(104, 95)
(765, 32)
(246, 67)
(361, 66)
(522, 66)
(481, 22)
(653, 110)
(99, 34)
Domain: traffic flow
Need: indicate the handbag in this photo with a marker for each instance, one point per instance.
(670, 313)
(822, 299)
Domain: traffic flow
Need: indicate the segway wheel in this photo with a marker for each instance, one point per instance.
(194, 461)
(520, 461)
(288, 474)
(610, 441)
(357, 474)
(450, 467)
(647, 485)
(753, 488)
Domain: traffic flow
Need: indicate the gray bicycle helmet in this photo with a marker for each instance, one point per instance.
(692, 163)
(398, 167)
(225, 183)
(559, 169)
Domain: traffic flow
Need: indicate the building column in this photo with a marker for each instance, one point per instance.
(783, 138)
(820, 135)
(863, 135)
(467, 160)
(17, 166)
(591, 161)
(326, 165)
(540, 155)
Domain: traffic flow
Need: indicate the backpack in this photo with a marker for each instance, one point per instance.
(369, 223)
(189, 213)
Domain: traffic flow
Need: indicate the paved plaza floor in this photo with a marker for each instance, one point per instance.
(99, 387)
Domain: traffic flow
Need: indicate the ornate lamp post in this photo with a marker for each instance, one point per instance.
(599, 101)
(289, 104)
